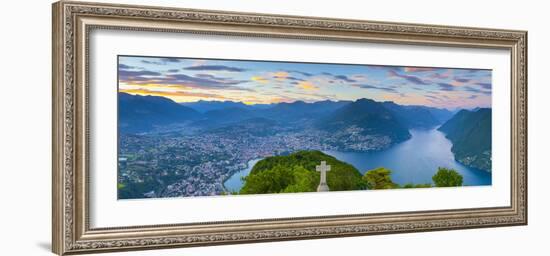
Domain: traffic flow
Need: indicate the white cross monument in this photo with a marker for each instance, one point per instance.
(323, 169)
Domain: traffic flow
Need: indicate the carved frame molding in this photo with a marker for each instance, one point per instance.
(72, 23)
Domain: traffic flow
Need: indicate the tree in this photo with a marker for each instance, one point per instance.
(274, 180)
(447, 178)
(280, 179)
(296, 173)
(379, 178)
(304, 181)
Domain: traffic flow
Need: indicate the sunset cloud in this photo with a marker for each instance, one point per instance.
(159, 61)
(306, 85)
(474, 90)
(259, 79)
(280, 75)
(215, 68)
(202, 81)
(299, 72)
(446, 87)
(459, 81)
(368, 86)
(486, 86)
(294, 78)
(262, 82)
(126, 74)
(170, 93)
(410, 78)
(344, 79)
(359, 77)
(441, 75)
(418, 69)
(124, 67)
(338, 78)
(462, 80)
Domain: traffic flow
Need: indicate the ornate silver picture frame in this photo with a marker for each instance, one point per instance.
(74, 21)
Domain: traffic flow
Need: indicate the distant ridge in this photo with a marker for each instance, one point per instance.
(142, 113)
(205, 106)
(138, 114)
(300, 109)
(230, 114)
(414, 116)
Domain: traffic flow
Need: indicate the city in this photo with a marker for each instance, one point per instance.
(168, 165)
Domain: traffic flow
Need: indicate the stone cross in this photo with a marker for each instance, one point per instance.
(323, 169)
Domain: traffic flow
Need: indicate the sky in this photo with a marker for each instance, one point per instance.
(265, 82)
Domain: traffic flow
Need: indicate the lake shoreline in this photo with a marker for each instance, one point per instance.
(429, 146)
(249, 165)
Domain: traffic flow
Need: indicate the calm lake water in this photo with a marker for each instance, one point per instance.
(413, 161)
(234, 183)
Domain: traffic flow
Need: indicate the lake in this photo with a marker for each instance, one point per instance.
(413, 161)
(234, 183)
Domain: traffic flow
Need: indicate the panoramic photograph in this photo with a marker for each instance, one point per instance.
(192, 127)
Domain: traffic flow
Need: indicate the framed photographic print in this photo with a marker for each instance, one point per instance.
(178, 127)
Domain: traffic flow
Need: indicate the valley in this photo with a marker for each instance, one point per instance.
(194, 149)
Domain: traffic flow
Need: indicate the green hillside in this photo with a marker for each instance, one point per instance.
(470, 133)
(296, 173)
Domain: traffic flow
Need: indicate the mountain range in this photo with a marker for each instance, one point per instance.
(143, 113)
(138, 114)
(470, 133)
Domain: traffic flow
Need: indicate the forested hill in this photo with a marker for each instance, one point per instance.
(296, 173)
(369, 117)
(470, 133)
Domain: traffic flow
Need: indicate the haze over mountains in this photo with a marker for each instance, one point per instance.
(205, 106)
(143, 114)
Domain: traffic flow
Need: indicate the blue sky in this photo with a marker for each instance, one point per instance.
(261, 82)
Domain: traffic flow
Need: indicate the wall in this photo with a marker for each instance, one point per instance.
(25, 128)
